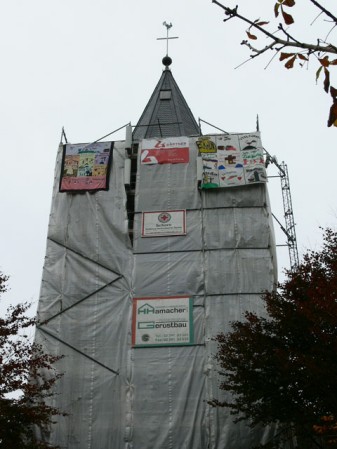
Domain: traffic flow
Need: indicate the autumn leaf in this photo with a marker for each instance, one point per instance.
(251, 36)
(333, 62)
(261, 23)
(333, 115)
(276, 9)
(290, 63)
(325, 61)
(285, 56)
(287, 17)
(304, 58)
(326, 80)
(318, 73)
(333, 92)
(289, 3)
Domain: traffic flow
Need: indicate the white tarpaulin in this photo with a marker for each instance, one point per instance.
(120, 396)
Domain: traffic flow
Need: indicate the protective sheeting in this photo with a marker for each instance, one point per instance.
(119, 397)
(169, 404)
(85, 311)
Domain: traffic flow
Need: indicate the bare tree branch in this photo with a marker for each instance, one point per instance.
(328, 13)
(257, 51)
(233, 12)
(298, 51)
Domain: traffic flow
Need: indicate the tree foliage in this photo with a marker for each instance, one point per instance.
(291, 48)
(23, 389)
(283, 367)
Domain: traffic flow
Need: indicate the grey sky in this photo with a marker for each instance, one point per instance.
(91, 67)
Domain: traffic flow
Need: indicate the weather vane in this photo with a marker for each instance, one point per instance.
(168, 27)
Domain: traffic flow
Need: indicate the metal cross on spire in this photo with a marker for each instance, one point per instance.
(168, 27)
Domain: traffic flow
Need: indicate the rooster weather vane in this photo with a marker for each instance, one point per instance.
(167, 38)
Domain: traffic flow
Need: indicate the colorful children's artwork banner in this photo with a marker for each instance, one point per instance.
(164, 223)
(231, 160)
(85, 167)
(170, 150)
(162, 321)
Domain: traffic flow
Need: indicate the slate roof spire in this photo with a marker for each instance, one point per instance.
(167, 114)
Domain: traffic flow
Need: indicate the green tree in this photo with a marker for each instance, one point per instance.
(22, 387)
(283, 367)
(290, 47)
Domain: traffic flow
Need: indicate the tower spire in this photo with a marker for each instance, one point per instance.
(167, 113)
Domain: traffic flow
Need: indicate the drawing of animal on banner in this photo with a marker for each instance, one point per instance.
(255, 175)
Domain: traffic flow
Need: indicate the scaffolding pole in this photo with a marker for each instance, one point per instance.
(289, 217)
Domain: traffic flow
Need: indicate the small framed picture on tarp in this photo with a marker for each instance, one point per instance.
(86, 167)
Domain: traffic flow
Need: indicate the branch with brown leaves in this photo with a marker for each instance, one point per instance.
(283, 367)
(297, 50)
(24, 390)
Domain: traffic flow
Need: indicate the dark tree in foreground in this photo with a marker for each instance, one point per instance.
(283, 40)
(22, 388)
(283, 368)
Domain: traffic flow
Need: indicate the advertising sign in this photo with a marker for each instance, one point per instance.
(231, 160)
(164, 223)
(162, 321)
(85, 167)
(170, 150)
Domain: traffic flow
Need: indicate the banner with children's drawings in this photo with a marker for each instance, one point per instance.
(85, 167)
(231, 160)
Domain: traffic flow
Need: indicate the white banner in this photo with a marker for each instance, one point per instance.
(162, 321)
(231, 160)
(164, 223)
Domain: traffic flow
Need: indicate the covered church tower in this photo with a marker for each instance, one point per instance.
(154, 245)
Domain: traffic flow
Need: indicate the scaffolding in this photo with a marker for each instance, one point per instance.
(289, 228)
(289, 216)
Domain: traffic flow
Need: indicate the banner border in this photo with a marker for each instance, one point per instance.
(108, 170)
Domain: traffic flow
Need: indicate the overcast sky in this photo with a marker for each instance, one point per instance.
(91, 67)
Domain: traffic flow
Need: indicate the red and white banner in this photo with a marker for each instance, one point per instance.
(170, 150)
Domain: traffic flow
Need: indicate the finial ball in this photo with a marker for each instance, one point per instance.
(167, 61)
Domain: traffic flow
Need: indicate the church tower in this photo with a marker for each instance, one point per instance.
(154, 245)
